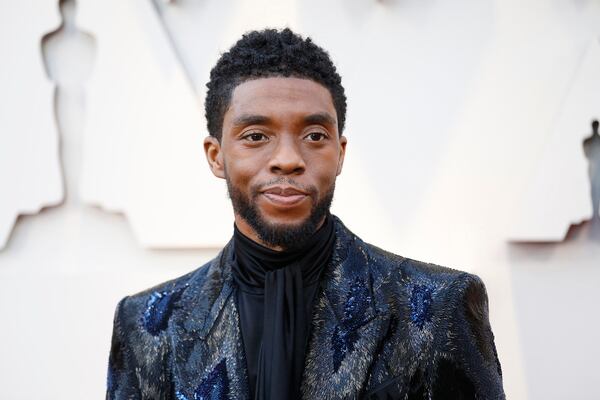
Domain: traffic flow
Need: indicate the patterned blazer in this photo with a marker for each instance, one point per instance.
(383, 327)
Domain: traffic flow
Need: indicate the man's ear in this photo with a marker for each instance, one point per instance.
(214, 156)
(343, 142)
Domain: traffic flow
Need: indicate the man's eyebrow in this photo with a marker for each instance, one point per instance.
(320, 119)
(250, 119)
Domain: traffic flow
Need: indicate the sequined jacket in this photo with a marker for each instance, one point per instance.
(383, 327)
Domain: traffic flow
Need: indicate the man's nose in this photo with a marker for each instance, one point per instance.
(287, 158)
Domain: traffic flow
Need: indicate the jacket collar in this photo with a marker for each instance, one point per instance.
(336, 283)
(210, 298)
(345, 304)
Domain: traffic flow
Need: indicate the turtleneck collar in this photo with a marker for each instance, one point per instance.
(254, 260)
(275, 293)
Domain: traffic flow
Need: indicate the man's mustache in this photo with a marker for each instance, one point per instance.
(309, 189)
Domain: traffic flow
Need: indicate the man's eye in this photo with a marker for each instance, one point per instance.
(255, 137)
(316, 136)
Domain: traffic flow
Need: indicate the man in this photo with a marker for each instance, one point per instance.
(295, 305)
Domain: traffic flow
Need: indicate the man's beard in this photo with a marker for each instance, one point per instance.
(286, 236)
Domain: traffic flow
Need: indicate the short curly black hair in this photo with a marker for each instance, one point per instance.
(268, 53)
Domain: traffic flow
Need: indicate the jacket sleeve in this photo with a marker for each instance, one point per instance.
(122, 382)
(468, 367)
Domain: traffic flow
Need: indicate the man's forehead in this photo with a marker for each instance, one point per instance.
(273, 92)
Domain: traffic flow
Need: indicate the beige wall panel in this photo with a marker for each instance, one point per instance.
(30, 170)
(558, 194)
(143, 153)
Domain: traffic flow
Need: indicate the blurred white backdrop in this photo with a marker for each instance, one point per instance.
(451, 105)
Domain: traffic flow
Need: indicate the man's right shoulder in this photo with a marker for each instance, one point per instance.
(142, 327)
(150, 308)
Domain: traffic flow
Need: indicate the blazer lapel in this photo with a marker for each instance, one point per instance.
(349, 322)
(209, 360)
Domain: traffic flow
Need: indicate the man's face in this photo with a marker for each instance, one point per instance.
(280, 153)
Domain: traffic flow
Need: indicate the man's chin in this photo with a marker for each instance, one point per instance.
(284, 232)
(283, 223)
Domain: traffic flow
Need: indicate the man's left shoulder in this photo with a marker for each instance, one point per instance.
(442, 313)
(404, 271)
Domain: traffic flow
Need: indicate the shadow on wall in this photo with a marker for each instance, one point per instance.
(591, 148)
(68, 55)
(590, 229)
(555, 288)
(587, 230)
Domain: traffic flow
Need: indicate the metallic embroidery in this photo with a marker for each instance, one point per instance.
(158, 310)
(357, 304)
(420, 302)
(110, 380)
(215, 386)
(180, 396)
(346, 335)
(343, 343)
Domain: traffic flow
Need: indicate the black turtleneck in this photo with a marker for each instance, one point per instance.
(274, 297)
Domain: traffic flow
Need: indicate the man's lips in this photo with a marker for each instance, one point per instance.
(284, 195)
